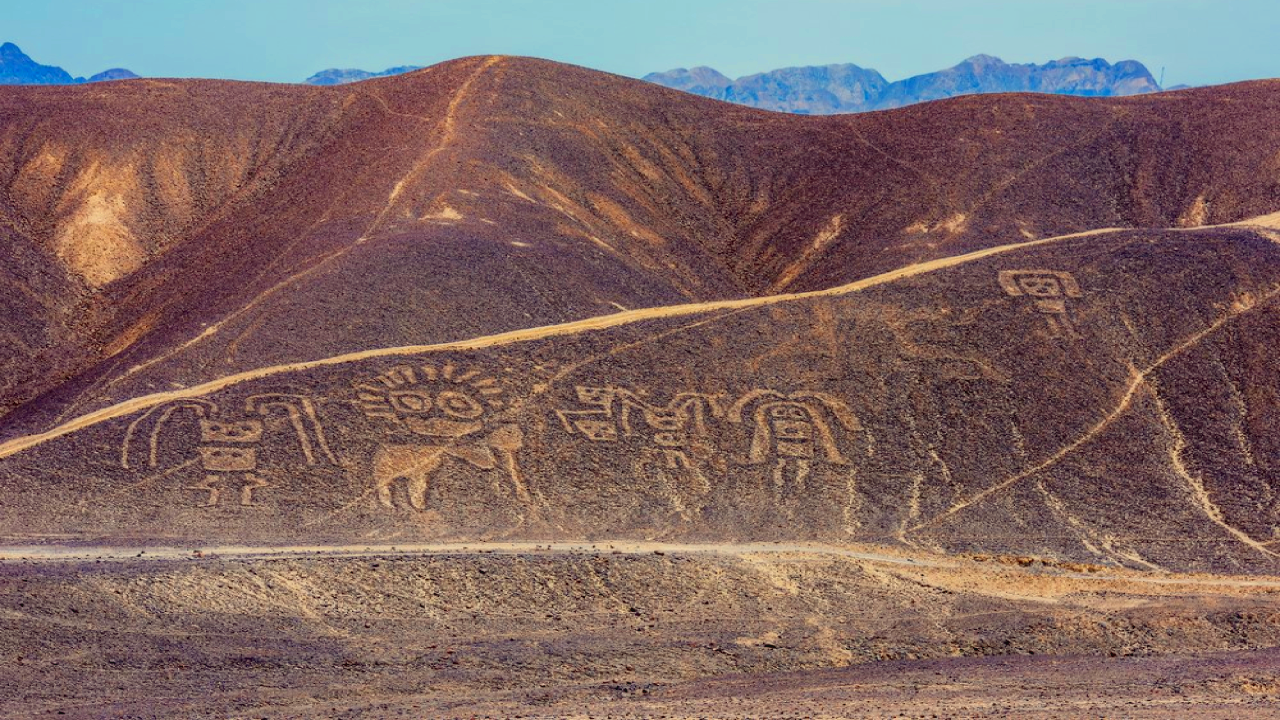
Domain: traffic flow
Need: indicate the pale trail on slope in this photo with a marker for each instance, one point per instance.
(602, 322)
(16, 445)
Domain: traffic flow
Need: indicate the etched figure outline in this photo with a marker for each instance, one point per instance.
(1050, 289)
(677, 432)
(228, 446)
(790, 429)
(449, 408)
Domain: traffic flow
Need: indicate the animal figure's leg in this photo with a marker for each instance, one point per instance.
(420, 479)
(413, 463)
(384, 491)
(513, 470)
(507, 439)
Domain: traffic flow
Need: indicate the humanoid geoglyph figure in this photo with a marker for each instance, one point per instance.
(1050, 290)
(674, 438)
(794, 432)
(228, 446)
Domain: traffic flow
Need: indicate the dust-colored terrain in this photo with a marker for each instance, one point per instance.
(615, 629)
(509, 388)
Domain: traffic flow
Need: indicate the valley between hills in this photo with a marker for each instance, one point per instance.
(509, 388)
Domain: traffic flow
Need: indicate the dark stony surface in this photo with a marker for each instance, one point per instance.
(161, 232)
(598, 634)
(1129, 420)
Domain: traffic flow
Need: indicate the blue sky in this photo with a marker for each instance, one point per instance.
(1198, 41)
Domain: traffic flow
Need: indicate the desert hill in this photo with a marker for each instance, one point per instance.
(164, 233)
(1104, 398)
(512, 388)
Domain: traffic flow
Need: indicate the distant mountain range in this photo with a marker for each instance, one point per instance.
(821, 90)
(338, 76)
(830, 89)
(16, 68)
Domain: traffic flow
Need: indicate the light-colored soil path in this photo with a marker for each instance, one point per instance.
(78, 554)
(68, 553)
(602, 322)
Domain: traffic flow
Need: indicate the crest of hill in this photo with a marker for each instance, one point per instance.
(171, 232)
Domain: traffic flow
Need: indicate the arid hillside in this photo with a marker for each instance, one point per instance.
(1106, 398)
(166, 233)
(512, 388)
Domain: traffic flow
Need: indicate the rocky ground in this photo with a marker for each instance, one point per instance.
(627, 631)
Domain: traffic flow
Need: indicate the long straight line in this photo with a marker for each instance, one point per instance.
(602, 322)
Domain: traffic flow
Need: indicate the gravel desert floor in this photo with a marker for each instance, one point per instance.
(623, 629)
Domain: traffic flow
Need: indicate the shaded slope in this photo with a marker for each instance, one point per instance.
(99, 183)
(961, 407)
(303, 244)
(490, 194)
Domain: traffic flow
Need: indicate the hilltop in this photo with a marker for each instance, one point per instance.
(513, 387)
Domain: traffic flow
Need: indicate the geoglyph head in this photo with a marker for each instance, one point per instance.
(427, 400)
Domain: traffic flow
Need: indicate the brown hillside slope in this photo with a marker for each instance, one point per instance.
(1107, 398)
(204, 228)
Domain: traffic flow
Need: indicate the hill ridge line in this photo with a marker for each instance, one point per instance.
(600, 322)
(447, 125)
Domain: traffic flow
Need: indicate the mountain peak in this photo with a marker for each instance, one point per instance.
(849, 88)
(17, 68)
(113, 74)
(12, 53)
(342, 76)
(700, 80)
